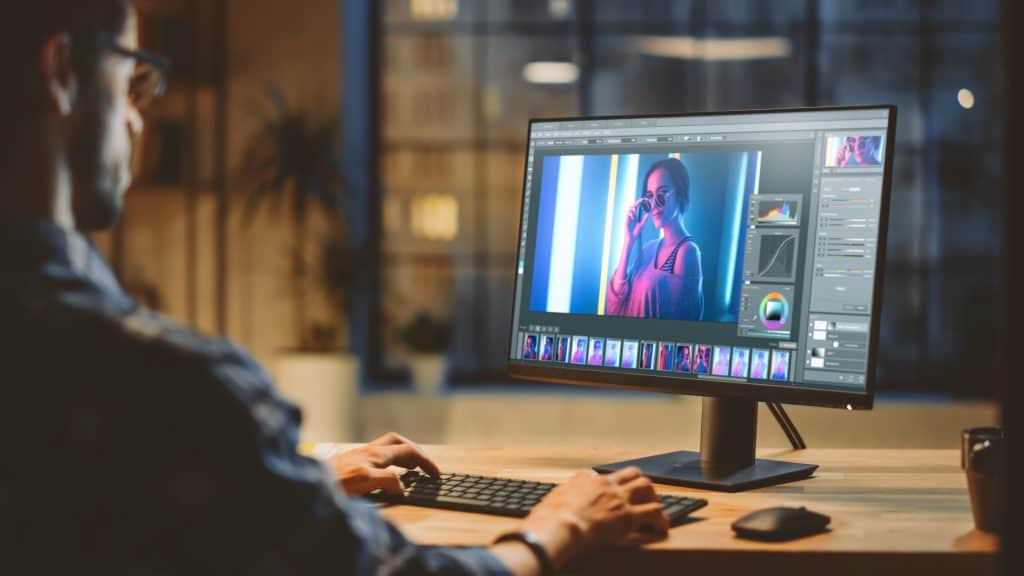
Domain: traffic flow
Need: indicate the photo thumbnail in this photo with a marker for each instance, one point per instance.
(780, 365)
(682, 363)
(612, 349)
(547, 348)
(596, 355)
(854, 150)
(530, 347)
(647, 352)
(629, 351)
(579, 350)
(740, 362)
(720, 366)
(701, 362)
(562, 354)
(759, 364)
(666, 354)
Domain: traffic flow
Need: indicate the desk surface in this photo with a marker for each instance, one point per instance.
(889, 507)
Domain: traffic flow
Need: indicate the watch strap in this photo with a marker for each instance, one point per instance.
(533, 543)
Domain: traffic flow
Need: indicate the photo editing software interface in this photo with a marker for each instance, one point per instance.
(737, 248)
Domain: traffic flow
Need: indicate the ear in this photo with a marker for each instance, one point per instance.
(58, 73)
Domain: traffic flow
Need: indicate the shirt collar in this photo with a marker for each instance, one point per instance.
(57, 253)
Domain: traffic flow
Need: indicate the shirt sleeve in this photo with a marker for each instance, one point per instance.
(238, 490)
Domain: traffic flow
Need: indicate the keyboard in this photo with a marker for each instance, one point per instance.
(499, 496)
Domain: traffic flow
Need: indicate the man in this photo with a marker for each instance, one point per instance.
(132, 445)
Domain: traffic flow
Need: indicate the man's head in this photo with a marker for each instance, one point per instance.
(71, 73)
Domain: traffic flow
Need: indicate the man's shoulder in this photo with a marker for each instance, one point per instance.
(121, 323)
(153, 347)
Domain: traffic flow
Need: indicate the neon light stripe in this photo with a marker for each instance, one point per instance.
(757, 174)
(613, 173)
(730, 271)
(563, 249)
(626, 195)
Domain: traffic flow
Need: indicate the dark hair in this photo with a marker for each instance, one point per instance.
(26, 24)
(680, 179)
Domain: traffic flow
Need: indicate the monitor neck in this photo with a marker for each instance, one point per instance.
(728, 434)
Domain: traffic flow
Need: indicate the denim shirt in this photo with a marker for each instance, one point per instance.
(132, 445)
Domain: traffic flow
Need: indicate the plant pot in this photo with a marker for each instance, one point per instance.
(325, 386)
(429, 373)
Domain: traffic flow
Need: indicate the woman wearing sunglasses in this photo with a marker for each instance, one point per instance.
(666, 279)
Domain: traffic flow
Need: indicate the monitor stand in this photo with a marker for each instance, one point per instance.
(726, 462)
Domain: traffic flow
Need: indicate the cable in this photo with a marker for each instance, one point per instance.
(787, 425)
(782, 423)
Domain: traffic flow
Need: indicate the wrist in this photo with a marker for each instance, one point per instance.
(533, 545)
(558, 535)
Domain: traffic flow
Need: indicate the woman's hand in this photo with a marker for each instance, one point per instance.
(635, 224)
(365, 469)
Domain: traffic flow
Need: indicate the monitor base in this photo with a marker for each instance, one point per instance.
(726, 461)
(684, 468)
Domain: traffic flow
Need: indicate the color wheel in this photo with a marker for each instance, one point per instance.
(774, 304)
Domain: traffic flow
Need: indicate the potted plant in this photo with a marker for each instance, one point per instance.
(293, 167)
(428, 340)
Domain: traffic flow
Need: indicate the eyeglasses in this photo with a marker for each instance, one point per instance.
(659, 198)
(149, 80)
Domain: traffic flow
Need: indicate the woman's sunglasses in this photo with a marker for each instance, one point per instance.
(658, 199)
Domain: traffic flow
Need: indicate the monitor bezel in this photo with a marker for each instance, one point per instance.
(653, 381)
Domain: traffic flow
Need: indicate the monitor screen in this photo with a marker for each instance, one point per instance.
(734, 254)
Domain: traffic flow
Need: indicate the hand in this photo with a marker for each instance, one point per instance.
(365, 469)
(635, 225)
(590, 511)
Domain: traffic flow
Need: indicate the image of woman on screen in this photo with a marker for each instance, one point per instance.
(580, 354)
(666, 279)
(859, 151)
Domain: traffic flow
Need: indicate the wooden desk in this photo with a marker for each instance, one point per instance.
(893, 511)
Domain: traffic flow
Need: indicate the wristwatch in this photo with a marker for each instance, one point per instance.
(531, 540)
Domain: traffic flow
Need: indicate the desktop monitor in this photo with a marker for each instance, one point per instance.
(736, 256)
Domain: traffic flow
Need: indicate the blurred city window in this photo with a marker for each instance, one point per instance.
(461, 78)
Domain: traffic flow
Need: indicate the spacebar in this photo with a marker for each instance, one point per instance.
(412, 498)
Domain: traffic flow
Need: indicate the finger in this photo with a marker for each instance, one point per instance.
(640, 491)
(396, 439)
(386, 480)
(649, 517)
(408, 456)
(625, 475)
(389, 439)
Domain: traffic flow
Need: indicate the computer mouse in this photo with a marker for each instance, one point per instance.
(781, 523)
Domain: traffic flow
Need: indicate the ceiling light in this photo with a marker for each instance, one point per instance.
(433, 10)
(966, 98)
(559, 9)
(714, 49)
(434, 217)
(551, 72)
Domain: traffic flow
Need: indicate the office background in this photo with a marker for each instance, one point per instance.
(431, 100)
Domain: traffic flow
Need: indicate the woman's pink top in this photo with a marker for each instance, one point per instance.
(652, 293)
(578, 356)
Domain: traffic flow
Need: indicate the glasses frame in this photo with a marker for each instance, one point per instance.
(159, 63)
(653, 200)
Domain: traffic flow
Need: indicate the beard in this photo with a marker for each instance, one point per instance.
(97, 210)
(100, 160)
